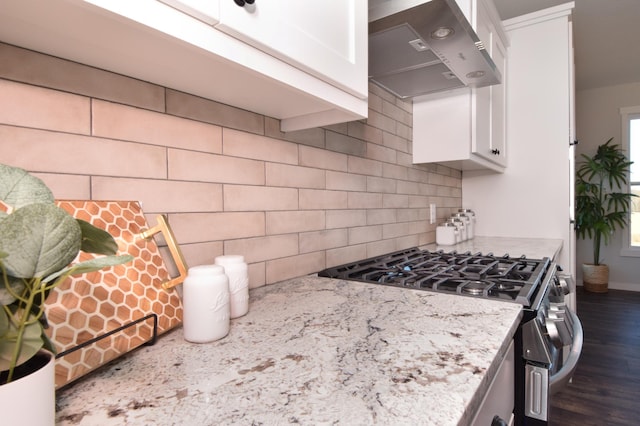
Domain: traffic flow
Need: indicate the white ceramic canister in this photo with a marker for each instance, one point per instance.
(205, 300)
(472, 219)
(467, 223)
(237, 271)
(462, 229)
(446, 234)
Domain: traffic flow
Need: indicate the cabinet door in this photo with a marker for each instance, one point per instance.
(204, 10)
(327, 39)
(490, 136)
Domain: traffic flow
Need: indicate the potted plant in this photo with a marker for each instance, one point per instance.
(38, 243)
(602, 206)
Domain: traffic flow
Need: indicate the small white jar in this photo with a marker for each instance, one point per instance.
(462, 229)
(467, 223)
(205, 300)
(446, 234)
(472, 220)
(237, 271)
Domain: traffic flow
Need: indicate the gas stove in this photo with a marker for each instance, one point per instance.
(470, 274)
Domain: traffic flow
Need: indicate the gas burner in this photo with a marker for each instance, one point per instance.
(475, 288)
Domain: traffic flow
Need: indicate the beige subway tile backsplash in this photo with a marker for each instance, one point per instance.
(230, 181)
(259, 198)
(48, 71)
(322, 159)
(203, 227)
(322, 240)
(294, 266)
(248, 145)
(39, 108)
(263, 248)
(44, 151)
(111, 120)
(197, 166)
(287, 222)
(159, 195)
(294, 176)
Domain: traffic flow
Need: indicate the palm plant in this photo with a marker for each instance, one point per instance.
(601, 205)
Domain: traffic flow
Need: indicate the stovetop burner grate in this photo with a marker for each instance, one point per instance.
(478, 275)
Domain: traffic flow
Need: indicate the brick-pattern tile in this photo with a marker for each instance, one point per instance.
(321, 159)
(259, 198)
(47, 71)
(365, 234)
(316, 199)
(342, 255)
(43, 151)
(346, 181)
(294, 266)
(263, 248)
(160, 196)
(202, 227)
(196, 108)
(110, 120)
(286, 222)
(196, 166)
(30, 106)
(322, 240)
(346, 218)
(247, 145)
(294, 176)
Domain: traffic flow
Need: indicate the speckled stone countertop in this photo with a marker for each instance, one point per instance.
(533, 248)
(311, 351)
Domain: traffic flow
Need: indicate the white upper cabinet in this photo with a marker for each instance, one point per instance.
(305, 65)
(323, 38)
(206, 10)
(466, 128)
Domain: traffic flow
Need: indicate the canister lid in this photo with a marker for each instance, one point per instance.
(204, 270)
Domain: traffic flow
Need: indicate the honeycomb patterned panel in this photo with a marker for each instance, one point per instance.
(90, 305)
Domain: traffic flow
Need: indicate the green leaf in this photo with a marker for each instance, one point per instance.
(18, 188)
(31, 341)
(40, 239)
(17, 286)
(90, 266)
(96, 240)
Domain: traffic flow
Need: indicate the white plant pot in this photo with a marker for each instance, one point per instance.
(30, 400)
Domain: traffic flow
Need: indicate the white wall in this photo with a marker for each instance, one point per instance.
(532, 197)
(598, 119)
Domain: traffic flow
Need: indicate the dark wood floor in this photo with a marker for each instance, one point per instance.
(606, 385)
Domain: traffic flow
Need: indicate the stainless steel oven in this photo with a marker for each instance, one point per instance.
(548, 341)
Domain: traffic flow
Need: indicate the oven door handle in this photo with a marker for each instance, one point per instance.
(559, 380)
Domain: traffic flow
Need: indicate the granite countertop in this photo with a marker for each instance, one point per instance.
(533, 248)
(311, 351)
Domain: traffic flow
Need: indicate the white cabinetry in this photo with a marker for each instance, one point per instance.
(540, 131)
(306, 65)
(465, 128)
(323, 38)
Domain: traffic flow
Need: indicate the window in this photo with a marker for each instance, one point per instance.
(631, 139)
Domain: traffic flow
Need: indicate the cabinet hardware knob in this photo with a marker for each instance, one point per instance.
(574, 142)
(495, 151)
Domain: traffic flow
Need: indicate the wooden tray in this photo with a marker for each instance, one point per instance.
(88, 306)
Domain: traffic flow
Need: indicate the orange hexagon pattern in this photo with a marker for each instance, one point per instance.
(90, 305)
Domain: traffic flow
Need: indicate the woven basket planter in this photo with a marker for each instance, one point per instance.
(595, 278)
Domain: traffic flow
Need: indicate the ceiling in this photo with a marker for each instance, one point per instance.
(606, 38)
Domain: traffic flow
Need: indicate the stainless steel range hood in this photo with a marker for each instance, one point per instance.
(426, 48)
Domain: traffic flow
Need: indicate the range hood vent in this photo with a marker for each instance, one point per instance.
(428, 48)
